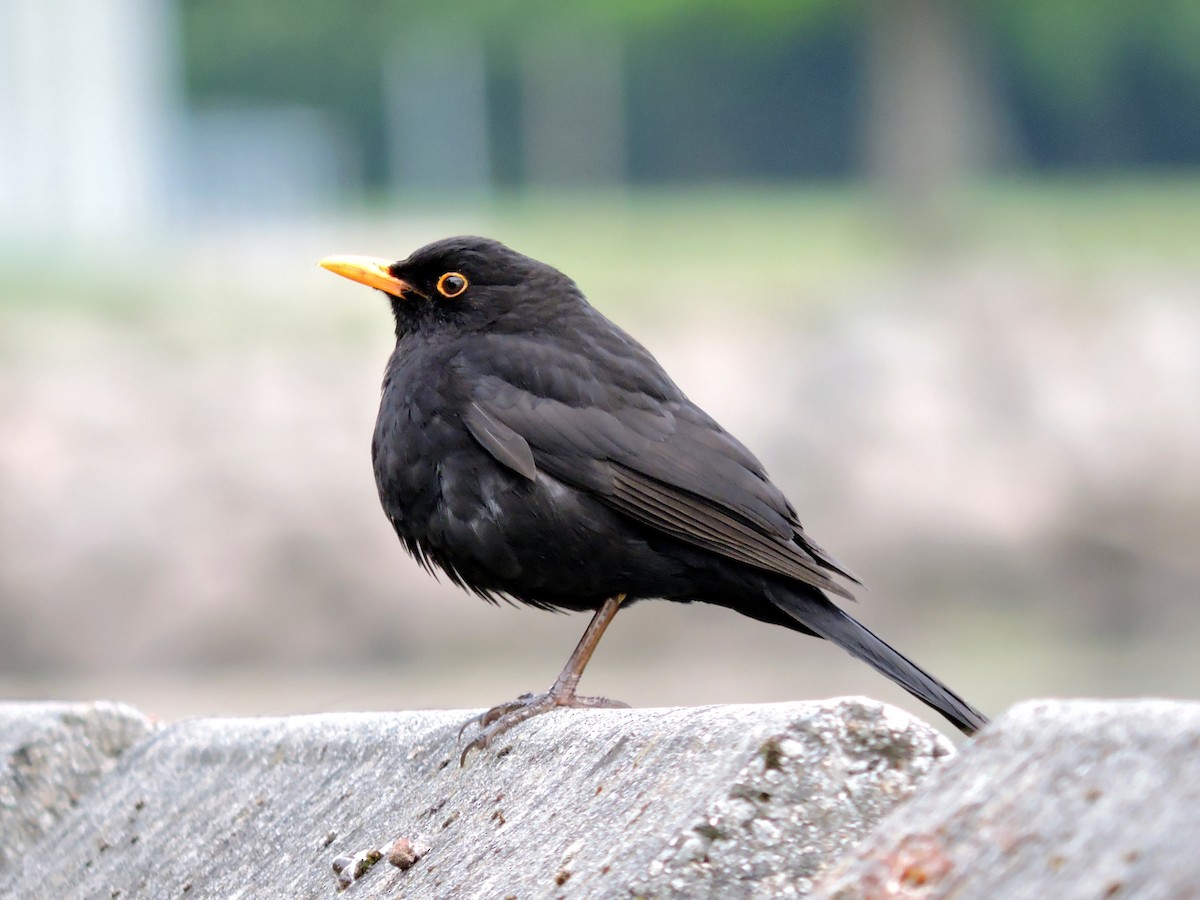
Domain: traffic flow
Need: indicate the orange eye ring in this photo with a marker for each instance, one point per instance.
(452, 284)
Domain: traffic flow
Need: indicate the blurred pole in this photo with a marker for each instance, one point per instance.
(933, 116)
(573, 108)
(435, 96)
(90, 91)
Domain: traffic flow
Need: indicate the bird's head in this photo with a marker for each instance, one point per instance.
(461, 282)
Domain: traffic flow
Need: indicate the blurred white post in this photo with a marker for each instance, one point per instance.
(436, 107)
(89, 94)
(573, 108)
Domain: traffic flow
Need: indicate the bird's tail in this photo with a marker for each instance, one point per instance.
(828, 621)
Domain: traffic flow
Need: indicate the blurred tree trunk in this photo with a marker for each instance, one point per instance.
(573, 109)
(933, 115)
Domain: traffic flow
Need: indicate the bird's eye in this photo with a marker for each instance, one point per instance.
(452, 284)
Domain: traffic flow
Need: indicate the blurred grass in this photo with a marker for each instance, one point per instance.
(767, 244)
(765, 247)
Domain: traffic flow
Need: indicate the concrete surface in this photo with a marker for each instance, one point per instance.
(1056, 799)
(53, 754)
(735, 801)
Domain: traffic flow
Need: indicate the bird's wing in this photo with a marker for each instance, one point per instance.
(502, 442)
(661, 461)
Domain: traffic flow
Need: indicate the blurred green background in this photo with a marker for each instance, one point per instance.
(936, 262)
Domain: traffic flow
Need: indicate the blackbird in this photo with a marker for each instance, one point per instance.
(532, 450)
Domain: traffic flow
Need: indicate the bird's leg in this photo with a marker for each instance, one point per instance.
(500, 719)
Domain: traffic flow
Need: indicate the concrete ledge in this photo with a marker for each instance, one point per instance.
(1061, 799)
(54, 754)
(717, 801)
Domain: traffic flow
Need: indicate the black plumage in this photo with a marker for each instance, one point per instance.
(530, 448)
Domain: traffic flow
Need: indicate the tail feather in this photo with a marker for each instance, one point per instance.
(828, 621)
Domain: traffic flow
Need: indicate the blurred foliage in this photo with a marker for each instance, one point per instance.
(284, 52)
(1092, 82)
(287, 48)
(1070, 46)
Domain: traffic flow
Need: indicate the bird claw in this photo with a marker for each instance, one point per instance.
(501, 718)
(489, 716)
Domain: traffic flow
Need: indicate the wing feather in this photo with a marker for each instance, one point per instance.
(630, 438)
(698, 522)
(508, 447)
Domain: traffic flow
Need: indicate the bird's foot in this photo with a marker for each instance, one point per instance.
(500, 719)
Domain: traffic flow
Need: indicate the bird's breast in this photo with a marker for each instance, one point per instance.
(493, 530)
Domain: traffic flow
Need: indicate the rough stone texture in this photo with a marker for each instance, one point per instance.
(812, 792)
(1062, 799)
(53, 754)
(735, 801)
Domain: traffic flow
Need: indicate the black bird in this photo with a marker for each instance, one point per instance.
(531, 449)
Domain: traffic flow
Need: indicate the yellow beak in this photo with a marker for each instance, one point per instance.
(367, 270)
